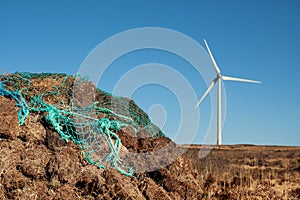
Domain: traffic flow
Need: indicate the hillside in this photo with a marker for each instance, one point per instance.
(48, 150)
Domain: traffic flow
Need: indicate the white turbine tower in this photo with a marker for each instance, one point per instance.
(219, 78)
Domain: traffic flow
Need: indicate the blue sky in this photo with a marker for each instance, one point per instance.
(251, 39)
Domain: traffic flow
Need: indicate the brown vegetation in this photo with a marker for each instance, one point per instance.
(35, 163)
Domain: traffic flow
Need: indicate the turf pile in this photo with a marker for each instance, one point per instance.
(79, 112)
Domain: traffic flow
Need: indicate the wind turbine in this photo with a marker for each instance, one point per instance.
(219, 79)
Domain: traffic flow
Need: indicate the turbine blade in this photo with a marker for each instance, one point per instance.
(212, 58)
(227, 78)
(207, 91)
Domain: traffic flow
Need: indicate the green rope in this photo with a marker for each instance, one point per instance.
(79, 124)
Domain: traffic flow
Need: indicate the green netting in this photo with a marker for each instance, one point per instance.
(79, 112)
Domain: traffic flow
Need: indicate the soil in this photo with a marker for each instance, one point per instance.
(35, 163)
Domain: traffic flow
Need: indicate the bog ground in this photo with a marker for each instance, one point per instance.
(36, 163)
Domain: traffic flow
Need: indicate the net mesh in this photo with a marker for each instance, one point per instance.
(79, 112)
